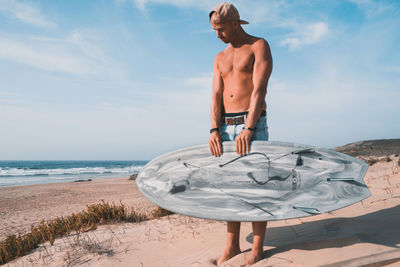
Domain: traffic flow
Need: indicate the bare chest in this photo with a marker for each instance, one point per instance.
(237, 61)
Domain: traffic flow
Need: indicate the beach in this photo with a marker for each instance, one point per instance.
(22, 206)
(361, 234)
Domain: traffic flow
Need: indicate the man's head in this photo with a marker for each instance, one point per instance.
(225, 20)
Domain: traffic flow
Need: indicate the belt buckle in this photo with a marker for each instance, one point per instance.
(235, 120)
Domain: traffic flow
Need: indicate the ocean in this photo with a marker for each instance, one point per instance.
(16, 173)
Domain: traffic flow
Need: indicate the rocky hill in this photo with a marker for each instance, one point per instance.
(371, 148)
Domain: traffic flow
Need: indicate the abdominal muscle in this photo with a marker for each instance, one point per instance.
(237, 93)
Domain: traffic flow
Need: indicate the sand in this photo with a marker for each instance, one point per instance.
(22, 206)
(364, 234)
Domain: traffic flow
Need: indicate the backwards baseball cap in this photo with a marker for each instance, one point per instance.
(226, 12)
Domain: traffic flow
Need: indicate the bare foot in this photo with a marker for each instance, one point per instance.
(228, 253)
(254, 257)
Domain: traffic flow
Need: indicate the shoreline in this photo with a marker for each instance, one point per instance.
(22, 206)
(73, 180)
(17, 173)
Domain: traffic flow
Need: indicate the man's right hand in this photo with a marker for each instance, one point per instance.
(215, 143)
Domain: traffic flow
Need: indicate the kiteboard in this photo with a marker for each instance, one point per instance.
(275, 181)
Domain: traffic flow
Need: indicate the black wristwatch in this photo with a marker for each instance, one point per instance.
(214, 130)
(249, 128)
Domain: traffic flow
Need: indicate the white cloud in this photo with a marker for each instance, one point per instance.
(257, 12)
(205, 4)
(132, 127)
(75, 54)
(204, 80)
(254, 11)
(55, 58)
(25, 12)
(374, 8)
(331, 109)
(306, 35)
(82, 40)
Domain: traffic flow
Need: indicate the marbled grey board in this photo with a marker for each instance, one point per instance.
(275, 181)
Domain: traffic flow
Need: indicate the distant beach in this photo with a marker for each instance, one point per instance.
(17, 173)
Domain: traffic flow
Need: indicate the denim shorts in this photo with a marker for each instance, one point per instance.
(230, 132)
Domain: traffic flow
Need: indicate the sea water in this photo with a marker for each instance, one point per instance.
(15, 173)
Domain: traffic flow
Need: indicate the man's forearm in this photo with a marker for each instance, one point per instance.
(216, 114)
(257, 101)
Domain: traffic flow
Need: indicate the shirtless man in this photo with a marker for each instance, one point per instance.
(238, 109)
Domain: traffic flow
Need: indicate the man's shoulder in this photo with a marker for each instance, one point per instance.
(220, 55)
(259, 43)
(261, 47)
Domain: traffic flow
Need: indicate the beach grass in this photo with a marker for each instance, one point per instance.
(160, 212)
(15, 246)
(372, 160)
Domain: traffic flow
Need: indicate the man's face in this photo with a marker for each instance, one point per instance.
(225, 31)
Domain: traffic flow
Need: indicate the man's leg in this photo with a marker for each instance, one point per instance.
(258, 242)
(232, 242)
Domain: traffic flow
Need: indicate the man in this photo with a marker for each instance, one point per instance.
(238, 110)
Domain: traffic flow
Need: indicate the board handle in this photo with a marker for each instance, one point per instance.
(312, 211)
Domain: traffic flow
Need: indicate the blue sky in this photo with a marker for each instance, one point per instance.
(131, 79)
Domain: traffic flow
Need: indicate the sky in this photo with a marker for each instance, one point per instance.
(131, 79)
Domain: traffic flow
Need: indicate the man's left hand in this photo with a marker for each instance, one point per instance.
(243, 142)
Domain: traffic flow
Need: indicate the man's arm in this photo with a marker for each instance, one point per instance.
(216, 110)
(261, 73)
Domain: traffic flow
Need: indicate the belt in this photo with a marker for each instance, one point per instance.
(238, 118)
